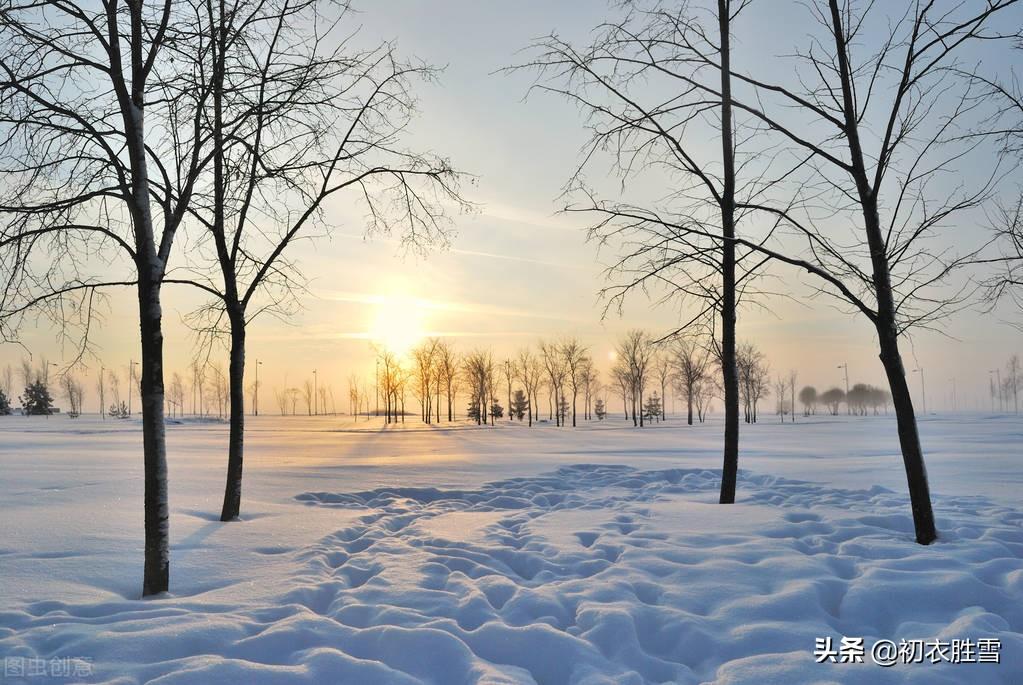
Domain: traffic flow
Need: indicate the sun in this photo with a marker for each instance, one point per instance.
(398, 324)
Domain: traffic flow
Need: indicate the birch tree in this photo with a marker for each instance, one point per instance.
(91, 114)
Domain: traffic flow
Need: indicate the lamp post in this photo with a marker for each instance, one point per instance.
(315, 412)
(846, 367)
(255, 398)
(923, 389)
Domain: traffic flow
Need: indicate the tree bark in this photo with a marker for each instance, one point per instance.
(156, 572)
(236, 439)
(729, 373)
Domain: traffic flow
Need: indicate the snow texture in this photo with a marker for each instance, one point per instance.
(508, 555)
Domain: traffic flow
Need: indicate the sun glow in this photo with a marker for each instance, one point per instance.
(398, 323)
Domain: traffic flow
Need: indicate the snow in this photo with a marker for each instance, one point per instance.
(419, 554)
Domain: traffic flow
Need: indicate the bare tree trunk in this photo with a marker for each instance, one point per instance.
(235, 445)
(156, 573)
(689, 404)
(729, 373)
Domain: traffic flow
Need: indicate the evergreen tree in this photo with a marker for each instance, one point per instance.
(496, 410)
(519, 405)
(600, 410)
(563, 408)
(5, 404)
(652, 409)
(36, 401)
(473, 410)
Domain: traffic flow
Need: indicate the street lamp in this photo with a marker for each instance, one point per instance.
(923, 389)
(255, 398)
(846, 367)
(315, 412)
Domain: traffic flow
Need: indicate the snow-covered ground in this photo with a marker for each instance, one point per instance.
(508, 555)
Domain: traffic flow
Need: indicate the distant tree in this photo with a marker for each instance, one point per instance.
(554, 366)
(529, 370)
(663, 372)
(832, 399)
(808, 398)
(36, 400)
(781, 389)
(496, 411)
(74, 393)
(176, 394)
(563, 408)
(424, 375)
(858, 399)
(635, 351)
(1013, 379)
(591, 381)
(508, 373)
(7, 381)
(705, 392)
(101, 390)
(652, 408)
(599, 410)
(519, 405)
(623, 380)
(879, 398)
(793, 376)
(574, 356)
(691, 363)
(307, 396)
(478, 371)
(754, 374)
(119, 410)
(447, 369)
(5, 404)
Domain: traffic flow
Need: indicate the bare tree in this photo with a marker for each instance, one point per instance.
(635, 350)
(101, 391)
(691, 362)
(307, 395)
(447, 367)
(793, 377)
(74, 392)
(591, 383)
(529, 370)
(554, 366)
(877, 128)
(646, 116)
(93, 114)
(663, 372)
(1013, 379)
(781, 390)
(478, 371)
(425, 374)
(859, 135)
(298, 116)
(808, 397)
(7, 380)
(574, 356)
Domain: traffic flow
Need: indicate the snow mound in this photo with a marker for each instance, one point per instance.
(588, 574)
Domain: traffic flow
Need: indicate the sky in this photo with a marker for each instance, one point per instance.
(516, 270)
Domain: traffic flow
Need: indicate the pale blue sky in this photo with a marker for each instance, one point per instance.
(516, 271)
